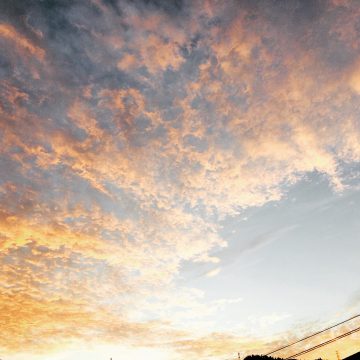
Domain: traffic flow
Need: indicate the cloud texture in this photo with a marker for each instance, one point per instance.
(129, 130)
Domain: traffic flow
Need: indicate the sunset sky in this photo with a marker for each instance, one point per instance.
(178, 179)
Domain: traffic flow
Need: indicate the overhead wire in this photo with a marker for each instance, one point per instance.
(314, 334)
(317, 333)
(324, 343)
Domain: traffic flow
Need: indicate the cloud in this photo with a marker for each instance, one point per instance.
(355, 79)
(269, 320)
(129, 131)
(215, 345)
(214, 272)
(9, 33)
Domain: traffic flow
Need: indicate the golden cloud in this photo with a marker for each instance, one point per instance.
(114, 181)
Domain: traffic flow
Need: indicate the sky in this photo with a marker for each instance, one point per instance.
(178, 179)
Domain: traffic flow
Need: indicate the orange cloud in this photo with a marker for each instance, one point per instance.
(114, 181)
(9, 33)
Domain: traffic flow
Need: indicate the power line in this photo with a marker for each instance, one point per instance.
(316, 333)
(309, 336)
(324, 343)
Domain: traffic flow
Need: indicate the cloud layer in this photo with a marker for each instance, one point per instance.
(130, 129)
